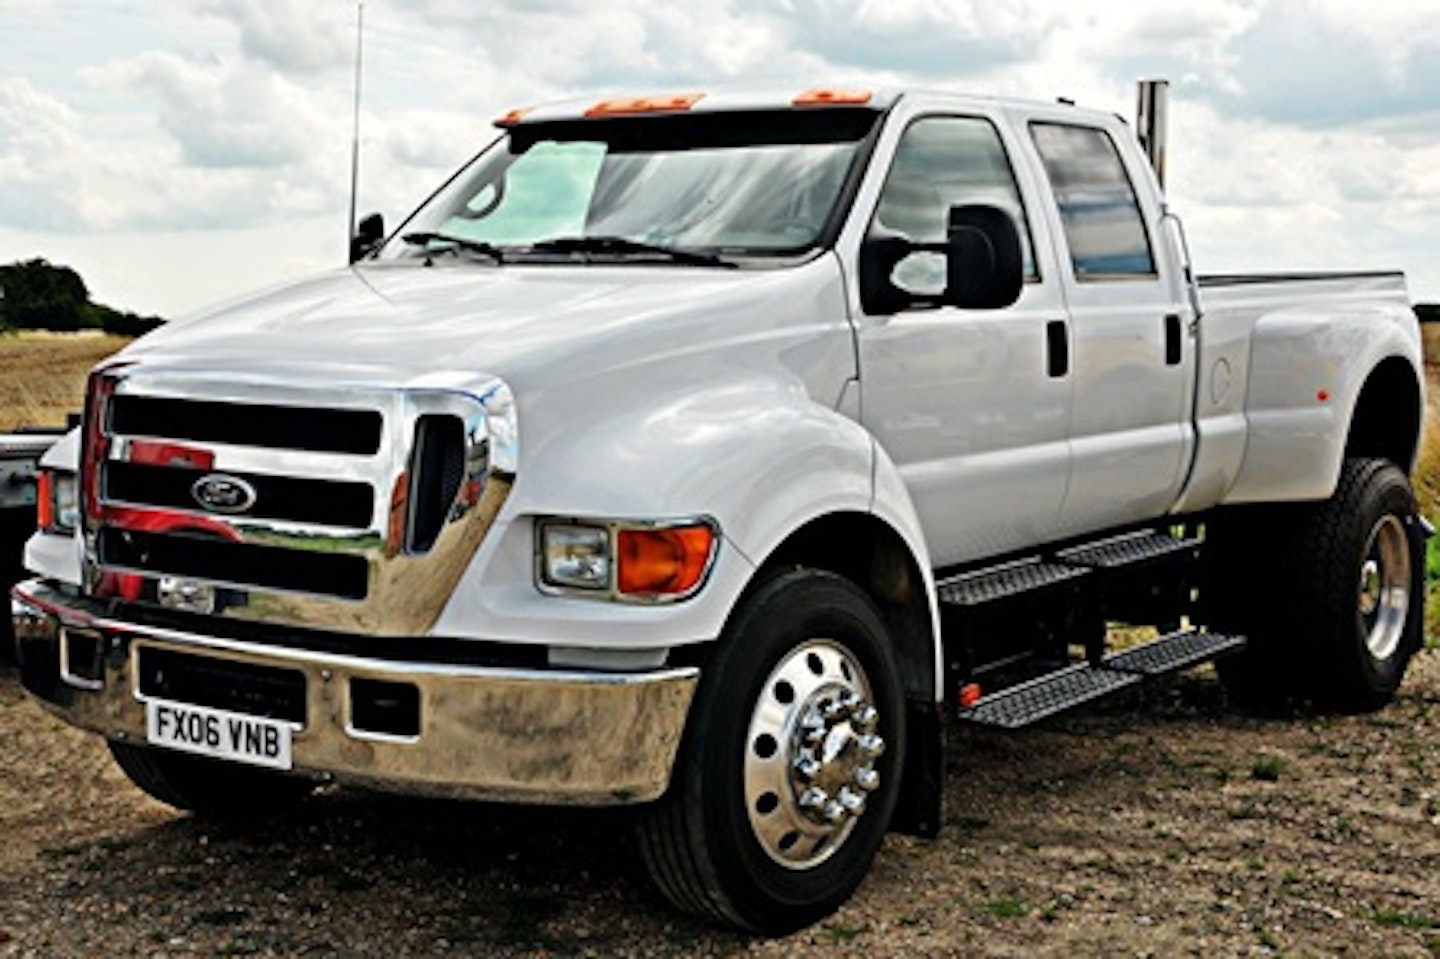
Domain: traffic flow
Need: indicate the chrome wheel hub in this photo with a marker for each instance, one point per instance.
(1383, 593)
(810, 754)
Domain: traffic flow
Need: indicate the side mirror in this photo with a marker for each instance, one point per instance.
(985, 268)
(879, 256)
(368, 236)
(981, 265)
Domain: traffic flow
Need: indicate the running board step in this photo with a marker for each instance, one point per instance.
(1170, 654)
(1036, 573)
(1064, 689)
(1126, 550)
(1004, 582)
(1048, 695)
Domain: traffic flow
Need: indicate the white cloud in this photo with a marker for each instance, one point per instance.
(223, 113)
(37, 133)
(951, 38)
(291, 35)
(1321, 63)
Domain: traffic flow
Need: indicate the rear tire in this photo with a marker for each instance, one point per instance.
(1332, 600)
(208, 787)
(789, 769)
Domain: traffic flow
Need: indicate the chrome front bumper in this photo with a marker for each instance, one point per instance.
(510, 734)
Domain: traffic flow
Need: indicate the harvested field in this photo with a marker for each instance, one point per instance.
(42, 375)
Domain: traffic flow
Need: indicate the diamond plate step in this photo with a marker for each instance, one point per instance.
(1172, 653)
(1125, 550)
(1040, 698)
(990, 585)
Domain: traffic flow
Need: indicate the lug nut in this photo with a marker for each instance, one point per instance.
(872, 746)
(866, 718)
(812, 731)
(834, 812)
(814, 799)
(834, 709)
(866, 778)
(853, 802)
(806, 767)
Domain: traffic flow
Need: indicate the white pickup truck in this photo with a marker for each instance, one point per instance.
(711, 453)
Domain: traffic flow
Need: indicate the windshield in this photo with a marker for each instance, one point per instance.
(724, 184)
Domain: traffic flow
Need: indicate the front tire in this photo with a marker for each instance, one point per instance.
(788, 772)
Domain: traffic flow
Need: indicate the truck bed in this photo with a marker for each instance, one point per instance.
(1228, 289)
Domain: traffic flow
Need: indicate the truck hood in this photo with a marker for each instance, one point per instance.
(403, 323)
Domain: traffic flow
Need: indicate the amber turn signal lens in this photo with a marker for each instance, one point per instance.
(45, 500)
(828, 97)
(663, 561)
(513, 117)
(663, 104)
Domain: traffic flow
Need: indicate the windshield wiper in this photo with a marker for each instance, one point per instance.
(457, 242)
(624, 246)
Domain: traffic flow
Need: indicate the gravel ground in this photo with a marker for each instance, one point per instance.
(1164, 826)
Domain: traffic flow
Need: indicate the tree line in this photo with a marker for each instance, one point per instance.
(39, 295)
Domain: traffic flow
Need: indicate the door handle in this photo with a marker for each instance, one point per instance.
(1057, 349)
(1172, 340)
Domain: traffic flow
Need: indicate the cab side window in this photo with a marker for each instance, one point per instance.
(1098, 207)
(943, 162)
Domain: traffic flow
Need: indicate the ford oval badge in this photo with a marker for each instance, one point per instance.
(219, 493)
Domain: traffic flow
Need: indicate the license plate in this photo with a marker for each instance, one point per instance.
(218, 734)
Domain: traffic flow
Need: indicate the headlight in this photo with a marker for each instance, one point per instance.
(627, 561)
(575, 557)
(58, 502)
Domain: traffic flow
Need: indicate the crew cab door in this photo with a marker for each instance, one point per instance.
(1130, 318)
(971, 405)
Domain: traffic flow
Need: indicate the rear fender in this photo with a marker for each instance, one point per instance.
(1307, 371)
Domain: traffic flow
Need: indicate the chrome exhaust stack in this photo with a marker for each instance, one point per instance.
(1152, 118)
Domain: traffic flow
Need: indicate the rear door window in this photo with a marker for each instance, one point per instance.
(1098, 206)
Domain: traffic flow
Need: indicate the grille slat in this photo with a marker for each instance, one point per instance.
(242, 564)
(311, 429)
(325, 502)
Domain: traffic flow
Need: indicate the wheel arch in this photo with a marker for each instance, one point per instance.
(1385, 422)
(872, 554)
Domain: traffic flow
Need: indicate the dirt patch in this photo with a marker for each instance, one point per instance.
(1166, 825)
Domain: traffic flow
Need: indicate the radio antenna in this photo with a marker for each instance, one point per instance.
(355, 125)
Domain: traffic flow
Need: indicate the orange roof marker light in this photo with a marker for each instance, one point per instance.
(513, 117)
(825, 96)
(664, 104)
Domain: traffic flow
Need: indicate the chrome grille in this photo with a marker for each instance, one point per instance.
(353, 508)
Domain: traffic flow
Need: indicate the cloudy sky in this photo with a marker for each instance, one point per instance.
(177, 152)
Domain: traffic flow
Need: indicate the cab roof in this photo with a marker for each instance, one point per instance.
(735, 99)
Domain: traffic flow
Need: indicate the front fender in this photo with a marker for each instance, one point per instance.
(755, 453)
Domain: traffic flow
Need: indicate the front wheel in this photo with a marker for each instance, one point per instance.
(789, 769)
